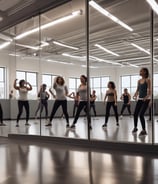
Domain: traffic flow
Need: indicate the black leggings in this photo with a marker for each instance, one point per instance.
(128, 106)
(82, 105)
(57, 104)
(140, 109)
(108, 107)
(24, 104)
(42, 104)
(93, 107)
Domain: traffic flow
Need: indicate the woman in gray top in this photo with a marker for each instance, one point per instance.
(143, 94)
(82, 90)
(60, 99)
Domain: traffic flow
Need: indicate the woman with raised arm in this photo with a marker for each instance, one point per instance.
(60, 99)
(23, 89)
(142, 95)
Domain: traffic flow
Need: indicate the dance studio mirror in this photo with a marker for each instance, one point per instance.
(119, 48)
(54, 44)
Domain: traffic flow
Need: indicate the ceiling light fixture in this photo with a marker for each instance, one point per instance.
(106, 50)
(153, 5)
(57, 21)
(140, 48)
(4, 45)
(109, 15)
(65, 45)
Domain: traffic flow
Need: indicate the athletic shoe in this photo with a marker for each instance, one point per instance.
(117, 124)
(2, 124)
(67, 126)
(17, 125)
(73, 126)
(49, 124)
(121, 117)
(27, 124)
(104, 125)
(143, 133)
(134, 130)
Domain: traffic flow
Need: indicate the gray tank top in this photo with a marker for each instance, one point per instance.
(83, 93)
(142, 88)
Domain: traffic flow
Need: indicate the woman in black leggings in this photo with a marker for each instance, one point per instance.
(60, 99)
(143, 94)
(111, 96)
(23, 89)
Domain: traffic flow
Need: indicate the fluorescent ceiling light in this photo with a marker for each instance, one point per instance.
(65, 45)
(61, 62)
(109, 15)
(140, 48)
(153, 5)
(4, 45)
(105, 61)
(43, 44)
(6, 38)
(17, 55)
(72, 15)
(106, 50)
(132, 65)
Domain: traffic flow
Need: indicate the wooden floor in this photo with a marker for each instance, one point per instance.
(24, 162)
(123, 133)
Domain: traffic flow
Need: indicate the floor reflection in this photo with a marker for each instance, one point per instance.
(35, 163)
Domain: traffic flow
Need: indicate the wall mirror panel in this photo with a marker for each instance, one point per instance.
(119, 48)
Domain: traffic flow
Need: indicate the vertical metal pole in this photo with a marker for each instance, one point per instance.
(152, 70)
(87, 57)
(40, 67)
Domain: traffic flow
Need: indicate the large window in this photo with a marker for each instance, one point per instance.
(48, 79)
(73, 84)
(30, 77)
(2, 83)
(129, 82)
(99, 84)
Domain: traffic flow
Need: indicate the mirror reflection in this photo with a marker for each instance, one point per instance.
(52, 46)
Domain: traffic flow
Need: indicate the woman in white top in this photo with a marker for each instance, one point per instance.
(60, 99)
(23, 89)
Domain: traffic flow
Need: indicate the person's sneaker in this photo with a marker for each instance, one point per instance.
(73, 126)
(142, 133)
(117, 124)
(90, 127)
(27, 124)
(104, 125)
(67, 125)
(2, 124)
(134, 130)
(121, 117)
(17, 125)
(49, 124)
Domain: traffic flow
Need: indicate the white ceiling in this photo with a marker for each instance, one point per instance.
(103, 31)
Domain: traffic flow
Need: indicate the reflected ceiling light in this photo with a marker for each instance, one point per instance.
(85, 66)
(61, 62)
(140, 48)
(105, 61)
(153, 5)
(109, 15)
(132, 65)
(17, 55)
(65, 45)
(72, 15)
(4, 45)
(106, 50)
(83, 58)
(6, 38)
(27, 46)
(43, 44)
